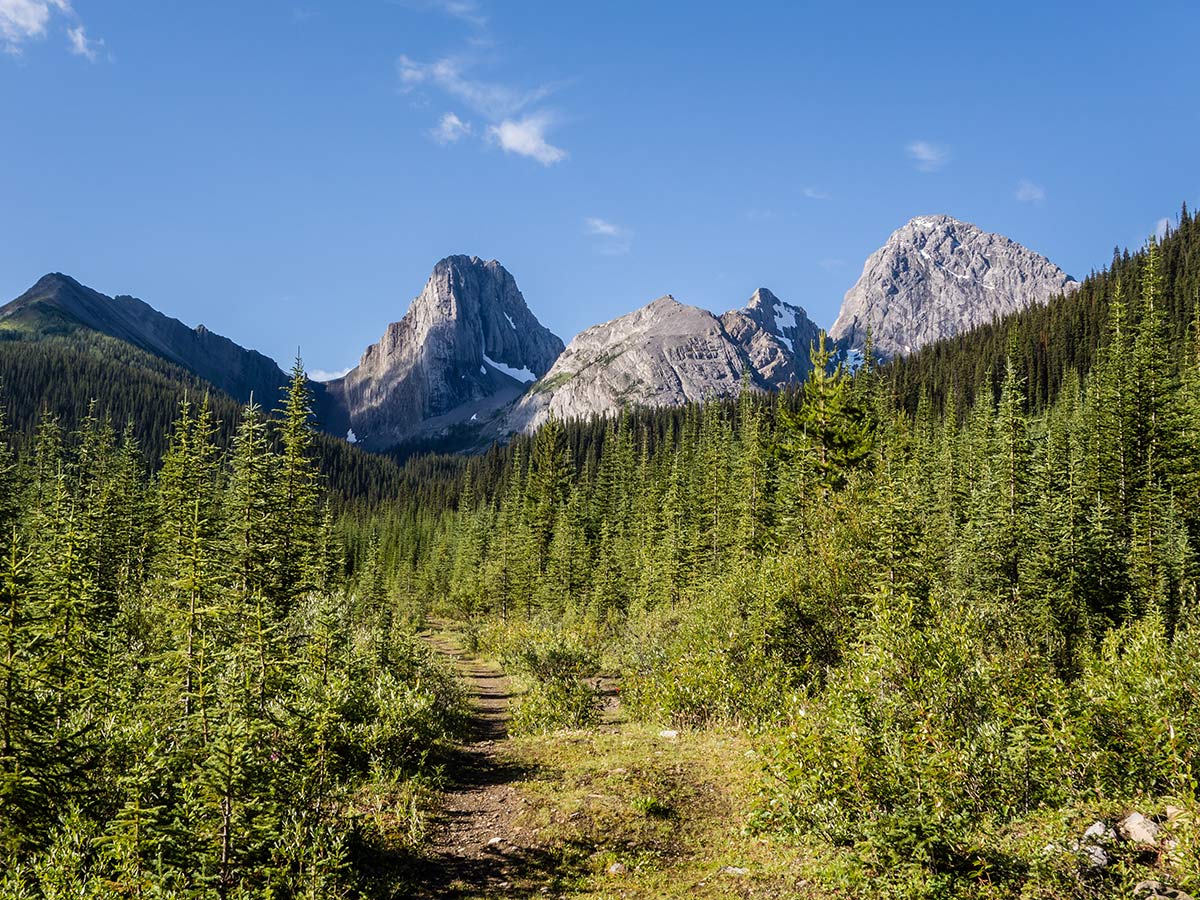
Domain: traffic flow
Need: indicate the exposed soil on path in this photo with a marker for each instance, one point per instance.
(620, 810)
(476, 846)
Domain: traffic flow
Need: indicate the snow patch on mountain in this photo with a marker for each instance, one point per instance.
(522, 375)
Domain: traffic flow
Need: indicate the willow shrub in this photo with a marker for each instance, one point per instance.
(716, 659)
(551, 666)
(927, 727)
(942, 727)
(1138, 703)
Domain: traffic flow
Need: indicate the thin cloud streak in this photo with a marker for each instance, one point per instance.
(602, 228)
(83, 46)
(450, 129)
(613, 239)
(468, 11)
(1028, 192)
(448, 74)
(928, 157)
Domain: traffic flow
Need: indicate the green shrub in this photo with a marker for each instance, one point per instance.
(556, 705)
(1139, 711)
(928, 727)
(551, 666)
(715, 660)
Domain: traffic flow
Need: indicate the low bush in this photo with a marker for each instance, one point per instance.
(552, 667)
(935, 752)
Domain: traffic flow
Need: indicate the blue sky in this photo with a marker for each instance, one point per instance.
(287, 173)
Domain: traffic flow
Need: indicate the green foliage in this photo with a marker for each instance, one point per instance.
(955, 595)
(552, 666)
(193, 704)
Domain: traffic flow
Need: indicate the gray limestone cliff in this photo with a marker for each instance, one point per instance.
(668, 354)
(467, 346)
(936, 277)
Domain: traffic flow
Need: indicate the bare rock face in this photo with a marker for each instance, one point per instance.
(467, 346)
(776, 336)
(664, 354)
(936, 277)
(669, 354)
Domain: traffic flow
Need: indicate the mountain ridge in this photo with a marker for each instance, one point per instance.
(469, 362)
(671, 353)
(464, 348)
(58, 304)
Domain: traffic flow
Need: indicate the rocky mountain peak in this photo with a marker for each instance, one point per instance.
(762, 298)
(669, 353)
(936, 276)
(467, 345)
(775, 336)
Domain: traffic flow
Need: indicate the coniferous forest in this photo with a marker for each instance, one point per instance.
(950, 600)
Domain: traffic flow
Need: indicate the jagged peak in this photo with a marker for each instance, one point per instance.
(666, 300)
(463, 259)
(937, 221)
(937, 276)
(762, 297)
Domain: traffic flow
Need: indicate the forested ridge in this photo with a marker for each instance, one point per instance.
(1051, 340)
(72, 376)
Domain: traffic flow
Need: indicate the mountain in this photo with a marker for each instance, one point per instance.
(58, 305)
(775, 335)
(68, 350)
(668, 354)
(1051, 343)
(467, 346)
(937, 277)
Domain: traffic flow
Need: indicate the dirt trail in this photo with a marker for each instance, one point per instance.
(475, 847)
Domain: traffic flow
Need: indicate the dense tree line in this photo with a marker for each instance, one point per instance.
(193, 703)
(70, 376)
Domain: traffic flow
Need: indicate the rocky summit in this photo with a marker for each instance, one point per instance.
(666, 354)
(936, 277)
(467, 346)
(776, 337)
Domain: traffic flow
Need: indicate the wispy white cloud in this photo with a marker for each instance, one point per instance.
(28, 20)
(468, 11)
(928, 157)
(612, 239)
(813, 193)
(323, 375)
(1161, 227)
(82, 45)
(448, 74)
(1028, 192)
(527, 137)
(506, 108)
(450, 128)
(602, 227)
(829, 264)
